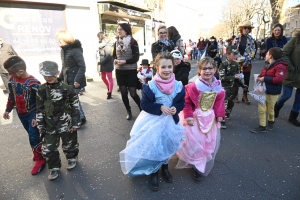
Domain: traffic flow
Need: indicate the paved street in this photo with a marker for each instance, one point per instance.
(248, 166)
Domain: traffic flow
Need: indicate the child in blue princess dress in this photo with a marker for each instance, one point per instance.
(156, 134)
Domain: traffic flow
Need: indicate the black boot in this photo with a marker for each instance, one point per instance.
(293, 118)
(276, 110)
(108, 95)
(166, 174)
(129, 115)
(197, 175)
(153, 183)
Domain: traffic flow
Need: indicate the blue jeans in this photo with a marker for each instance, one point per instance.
(200, 53)
(195, 53)
(192, 54)
(286, 94)
(33, 132)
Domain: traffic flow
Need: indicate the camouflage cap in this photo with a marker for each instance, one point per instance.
(48, 68)
(232, 49)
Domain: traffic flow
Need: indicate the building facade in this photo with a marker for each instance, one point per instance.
(30, 27)
(292, 19)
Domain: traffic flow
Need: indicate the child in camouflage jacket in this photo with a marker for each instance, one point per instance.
(57, 117)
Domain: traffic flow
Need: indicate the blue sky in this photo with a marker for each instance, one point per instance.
(293, 2)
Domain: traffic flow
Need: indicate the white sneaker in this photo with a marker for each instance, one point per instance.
(72, 163)
(53, 174)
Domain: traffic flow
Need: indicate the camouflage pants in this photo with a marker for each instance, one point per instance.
(231, 94)
(50, 148)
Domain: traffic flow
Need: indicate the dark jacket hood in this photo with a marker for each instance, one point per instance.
(76, 44)
(211, 52)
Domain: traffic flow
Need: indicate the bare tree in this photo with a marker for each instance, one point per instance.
(237, 11)
(250, 8)
(231, 15)
(276, 6)
(263, 17)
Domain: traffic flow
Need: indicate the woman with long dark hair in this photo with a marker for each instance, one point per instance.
(126, 55)
(277, 39)
(174, 35)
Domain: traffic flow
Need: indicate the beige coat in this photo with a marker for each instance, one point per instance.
(6, 51)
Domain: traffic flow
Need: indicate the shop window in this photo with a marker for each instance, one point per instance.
(30, 28)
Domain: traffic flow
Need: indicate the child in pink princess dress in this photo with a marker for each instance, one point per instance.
(202, 114)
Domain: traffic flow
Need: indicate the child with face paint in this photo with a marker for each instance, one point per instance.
(202, 114)
(156, 134)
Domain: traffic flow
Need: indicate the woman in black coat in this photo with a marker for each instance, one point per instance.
(163, 44)
(73, 65)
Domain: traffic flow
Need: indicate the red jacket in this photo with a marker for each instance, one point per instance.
(201, 45)
(274, 75)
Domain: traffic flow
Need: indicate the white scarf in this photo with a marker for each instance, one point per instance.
(122, 44)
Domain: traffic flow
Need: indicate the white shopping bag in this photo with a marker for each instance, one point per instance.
(259, 92)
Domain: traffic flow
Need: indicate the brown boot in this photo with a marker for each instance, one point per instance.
(245, 99)
(236, 100)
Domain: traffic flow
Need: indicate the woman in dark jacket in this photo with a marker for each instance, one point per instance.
(126, 55)
(106, 62)
(73, 65)
(182, 69)
(277, 39)
(163, 44)
(174, 35)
